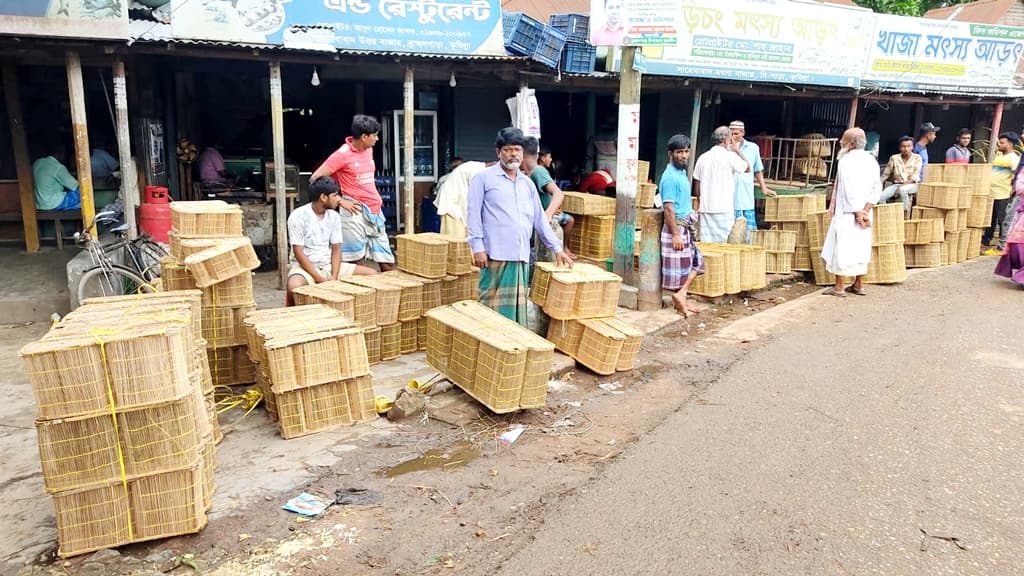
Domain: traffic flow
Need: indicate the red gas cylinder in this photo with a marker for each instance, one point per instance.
(156, 195)
(155, 220)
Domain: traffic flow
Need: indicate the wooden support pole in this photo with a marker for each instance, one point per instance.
(590, 159)
(852, 120)
(22, 160)
(409, 146)
(129, 180)
(650, 259)
(80, 125)
(695, 127)
(997, 126)
(628, 144)
(281, 196)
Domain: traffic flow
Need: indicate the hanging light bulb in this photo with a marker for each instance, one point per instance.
(451, 80)
(315, 80)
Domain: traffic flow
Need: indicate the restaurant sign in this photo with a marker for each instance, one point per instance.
(945, 56)
(768, 41)
(415, 26)
(104, 19)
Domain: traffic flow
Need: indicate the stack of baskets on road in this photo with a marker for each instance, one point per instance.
(789, 213)
(779, 246)
(965, 222)
(209, 252)
(888, 263)
(730, 269)
(581, 303)
(594, 233)
(313, 368)
(125, 428)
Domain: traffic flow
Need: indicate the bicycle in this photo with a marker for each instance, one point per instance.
(139, 269)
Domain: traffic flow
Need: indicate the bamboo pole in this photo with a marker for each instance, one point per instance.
(281, 196)
(80, 125)
(129, 180)
(22, 160)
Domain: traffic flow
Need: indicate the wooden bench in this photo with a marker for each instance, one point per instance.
(55, 216)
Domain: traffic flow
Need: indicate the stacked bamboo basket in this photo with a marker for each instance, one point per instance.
(581, 303)
(779, 246)
(313, 368)
(789, 213)
(730, 269)
(501, 364)
(125, 421)
(209, 252)
(888, 264)
(594, 231)
(961, 196)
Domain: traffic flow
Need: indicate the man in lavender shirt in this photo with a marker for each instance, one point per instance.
(504, 212)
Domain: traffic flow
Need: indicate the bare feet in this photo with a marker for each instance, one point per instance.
(683, 306)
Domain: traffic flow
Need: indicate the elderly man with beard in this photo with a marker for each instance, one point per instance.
(504, 212)
(681, 261)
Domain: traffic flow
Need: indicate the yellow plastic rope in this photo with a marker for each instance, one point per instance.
(247, 400)
(97, 334)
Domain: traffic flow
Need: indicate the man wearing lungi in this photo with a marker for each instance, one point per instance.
(714, 182)
(504, 211)
(681, 261)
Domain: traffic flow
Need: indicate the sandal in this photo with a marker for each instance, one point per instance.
(858, 291)
(832, 292)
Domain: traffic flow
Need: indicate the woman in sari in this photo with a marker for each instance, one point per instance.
(1011, 263)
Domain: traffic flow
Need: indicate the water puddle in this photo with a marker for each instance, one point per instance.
(439, 458)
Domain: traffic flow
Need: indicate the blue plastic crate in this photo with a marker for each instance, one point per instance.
(578, 58)
(549, 49)
(508, 24)
(524, 33)
(575, 26)
(386, 188)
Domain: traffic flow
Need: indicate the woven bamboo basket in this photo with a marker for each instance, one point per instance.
(942, 195)
(206, 219)
(431, 297)
(71, 375)
(302, 360)
(181, 248)
(711, 283)
(822, 277)
(449, 289)
(600, 347)
(372, 337)
(440, 323)
(918, 232)
(961, 219)
(813, 167)
(938, 230)
(887, 224)
(213, 423)
(774, 240)
(630, 347)
(388, 297)
(583, 291)
(364, 300)
(752, 268)
(78, 453)
(231, 366)
(119, 310)
(537, 373)
(209, 466)
(467, 286)
(979, 177)
(964, 198)
(260, 325)
(793, 208)
(223, 326)
(924, 255)
(323, 407)
(888, 264)
(410, 334)
(146, 508)
(645, 194)
(963, 245)
(731, 260)
(422, 254)
(318, 294)
(565, 335)
(643, 170)
(592, 236)
(421, 334)
(813, 145)
(410, 304)
(391, 341)
(500, 370)
(952, 173)
(979, 215)
(974, 243)
(230, 258)
(460, 256)
(583, 204)
(263, 385)
(952, 247)
(817, 229)
(944, 253)
(802, 235)
(802, 259)
(201, 365)
(778, 262)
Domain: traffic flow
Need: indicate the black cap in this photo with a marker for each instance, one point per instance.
(929, 127)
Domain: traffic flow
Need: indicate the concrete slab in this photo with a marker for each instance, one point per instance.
(33, 286)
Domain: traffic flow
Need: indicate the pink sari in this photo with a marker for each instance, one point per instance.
(1011, 263)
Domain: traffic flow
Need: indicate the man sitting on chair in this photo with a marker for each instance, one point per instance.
(56, 188)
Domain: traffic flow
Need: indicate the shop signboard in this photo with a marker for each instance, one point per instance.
(415, 26)
(768, 41)
(943, 56)
(104, 19)
(634, 22)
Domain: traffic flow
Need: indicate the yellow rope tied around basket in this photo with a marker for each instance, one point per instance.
(98, 336)
(247, 400)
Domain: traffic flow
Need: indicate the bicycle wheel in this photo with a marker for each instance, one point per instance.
(113, 281)
(150, 254)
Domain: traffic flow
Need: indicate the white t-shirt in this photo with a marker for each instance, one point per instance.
(716, 171)
(314, 234)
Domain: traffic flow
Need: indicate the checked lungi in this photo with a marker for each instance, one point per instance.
(677, 265)
(504, 287)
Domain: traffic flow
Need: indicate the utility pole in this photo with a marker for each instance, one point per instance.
(409, 146)
(129, 180)
(281, 196)
(628, 143)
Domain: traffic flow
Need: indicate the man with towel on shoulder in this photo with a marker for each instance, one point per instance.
(714, 182)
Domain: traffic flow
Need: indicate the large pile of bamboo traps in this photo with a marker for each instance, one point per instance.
(210, 253)
(496, 361)
(126, 421)
(312, 368)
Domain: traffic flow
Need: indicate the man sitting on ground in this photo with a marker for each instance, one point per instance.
(314, 231)
(902, 174)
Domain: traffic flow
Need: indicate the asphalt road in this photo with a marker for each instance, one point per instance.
(832, 447)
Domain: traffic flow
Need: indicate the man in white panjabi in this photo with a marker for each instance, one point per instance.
(714, 182)
(847, 249)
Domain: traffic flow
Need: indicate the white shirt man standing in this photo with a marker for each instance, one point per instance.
(714, 182)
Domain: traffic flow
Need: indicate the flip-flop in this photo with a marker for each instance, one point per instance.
(858, 291)
(832, 292)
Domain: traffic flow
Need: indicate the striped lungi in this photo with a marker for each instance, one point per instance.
(715, 227)
(504, 287)
(677, 265)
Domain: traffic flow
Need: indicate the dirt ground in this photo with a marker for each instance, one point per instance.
(442, 493)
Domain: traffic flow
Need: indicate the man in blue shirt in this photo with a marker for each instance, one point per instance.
(925, 136)
(743, 200)
(681, 261)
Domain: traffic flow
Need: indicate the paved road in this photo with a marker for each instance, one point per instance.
(828, 449)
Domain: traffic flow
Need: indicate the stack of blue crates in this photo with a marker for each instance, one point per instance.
(578, 56)
(526, 36)
(389, 207)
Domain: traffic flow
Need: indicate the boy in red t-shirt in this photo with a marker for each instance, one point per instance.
(362, 222)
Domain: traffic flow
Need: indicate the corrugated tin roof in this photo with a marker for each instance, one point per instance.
(982, 11)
